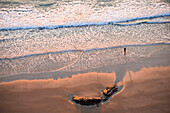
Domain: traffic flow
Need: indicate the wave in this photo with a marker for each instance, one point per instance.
(67, 26)
(146, 17)
(118, 23)
(25, 42)
(87, 50)
(40, 54)
(80, 60)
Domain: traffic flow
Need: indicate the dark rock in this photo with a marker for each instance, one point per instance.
(87, 100)
(110, 90)
(105, 98)
(107, 92)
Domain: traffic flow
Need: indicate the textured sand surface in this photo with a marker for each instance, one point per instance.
(148, 92)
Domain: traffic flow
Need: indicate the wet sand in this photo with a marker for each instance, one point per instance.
(147, 92)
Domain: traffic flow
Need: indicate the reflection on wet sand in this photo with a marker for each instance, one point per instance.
(50, 95)
(93, 72)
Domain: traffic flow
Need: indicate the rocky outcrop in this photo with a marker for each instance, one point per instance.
(107, 92)
(86, 100)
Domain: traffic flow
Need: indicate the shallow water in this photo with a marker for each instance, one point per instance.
(77, 60)
(24, 42)
(49, 39)
(18, 13)
(49, 36)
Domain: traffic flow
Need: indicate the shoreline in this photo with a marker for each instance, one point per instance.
(143, 73)
(135, 59)
(34, 93)
(118, 23)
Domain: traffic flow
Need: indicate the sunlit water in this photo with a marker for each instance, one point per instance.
(49, 36)
(19, 13)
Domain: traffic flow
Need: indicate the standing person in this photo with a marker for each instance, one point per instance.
(124, 51)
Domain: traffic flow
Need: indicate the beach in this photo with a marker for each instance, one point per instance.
(84, 56)
(149, 92)
(145, 89)
(142, 77)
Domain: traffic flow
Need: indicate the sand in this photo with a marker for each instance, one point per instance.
(145, 81)
(148, 92)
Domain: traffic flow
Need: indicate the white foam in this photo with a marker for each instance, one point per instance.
(59, 13)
